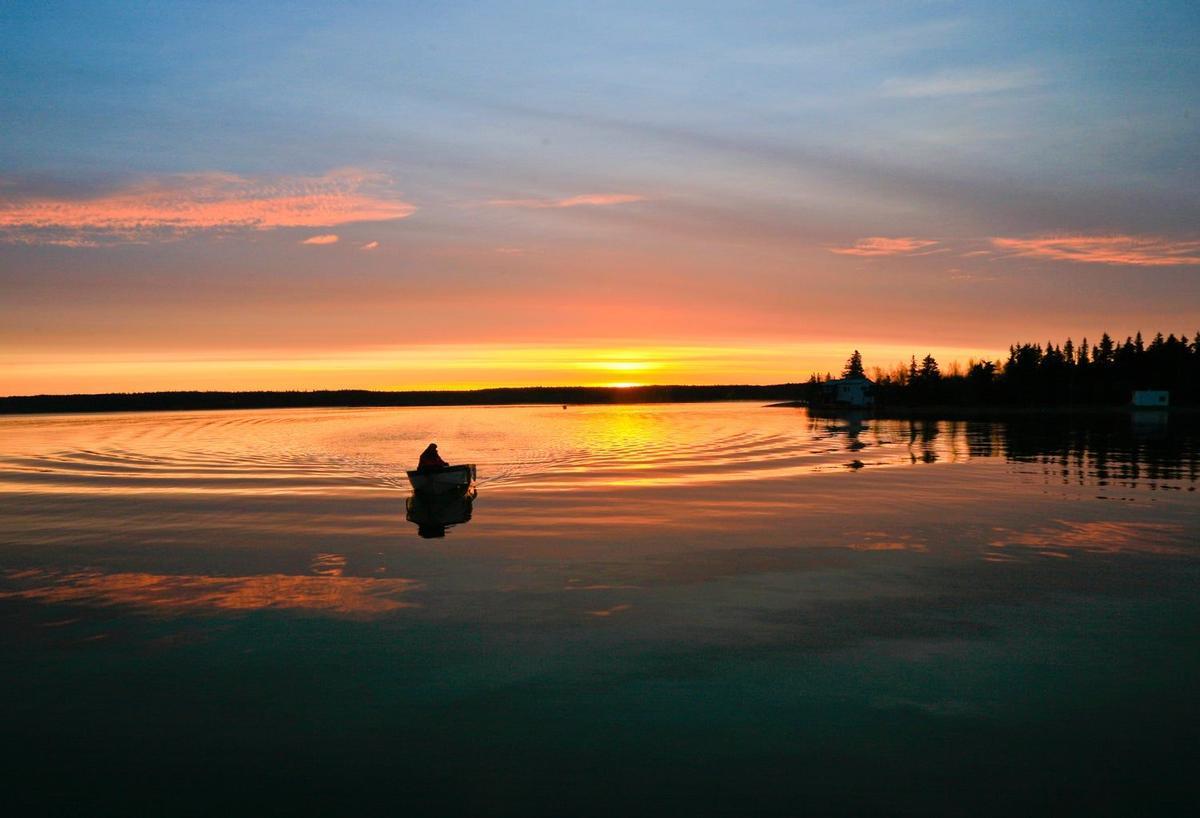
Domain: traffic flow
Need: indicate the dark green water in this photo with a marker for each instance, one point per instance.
(646, 610)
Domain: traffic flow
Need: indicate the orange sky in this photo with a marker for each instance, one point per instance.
(447, 367)
(379, 306)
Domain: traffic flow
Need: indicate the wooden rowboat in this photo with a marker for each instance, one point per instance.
(444, 480)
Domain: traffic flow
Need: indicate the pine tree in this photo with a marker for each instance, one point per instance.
(929, 369)
(854, 366)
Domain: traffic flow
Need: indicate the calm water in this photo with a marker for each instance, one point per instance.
(646, 610)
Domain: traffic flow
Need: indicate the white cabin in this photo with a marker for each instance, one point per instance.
(1151, 398)
(855, 392)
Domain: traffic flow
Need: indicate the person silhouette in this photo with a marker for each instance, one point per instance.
(431, 460)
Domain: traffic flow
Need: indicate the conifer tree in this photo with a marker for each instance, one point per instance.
(929, 369)
(854, 366)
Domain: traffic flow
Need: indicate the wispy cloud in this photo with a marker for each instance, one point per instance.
(1139, 251)
(328, 238)
(884, 246)
(957, 274)
(887, 40)
(583, 200)
(371, 245)
(958, 83)
(170, 206)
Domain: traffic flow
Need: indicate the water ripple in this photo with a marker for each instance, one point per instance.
(526, 448)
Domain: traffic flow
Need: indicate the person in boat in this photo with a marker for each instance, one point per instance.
(431, 460)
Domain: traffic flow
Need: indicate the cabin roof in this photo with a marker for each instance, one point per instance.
(853, 380)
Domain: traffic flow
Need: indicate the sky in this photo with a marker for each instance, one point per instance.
(462, 194)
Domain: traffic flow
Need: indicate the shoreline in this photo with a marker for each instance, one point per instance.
(187, 401)
(952, 412)
(195, 401)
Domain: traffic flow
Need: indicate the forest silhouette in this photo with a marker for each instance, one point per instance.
(1104, 374)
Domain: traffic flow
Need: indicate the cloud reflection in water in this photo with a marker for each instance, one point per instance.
(179, 594)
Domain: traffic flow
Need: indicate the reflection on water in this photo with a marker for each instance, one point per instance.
(434, 513)
(323, 452)
(1093, 449)
(173, 595)
(1059, 537)
(724, 607)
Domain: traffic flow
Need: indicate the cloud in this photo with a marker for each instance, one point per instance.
(371, 245)
(327, 238)
(959, 83)
(891, 41)
(883, 246)
(583, 200)
(1139, 251)
(959, 275)
(167, 207)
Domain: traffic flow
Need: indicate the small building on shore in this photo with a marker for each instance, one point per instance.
(854, 392)
(1151, 399)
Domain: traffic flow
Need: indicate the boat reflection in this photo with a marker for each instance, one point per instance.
(434, 513)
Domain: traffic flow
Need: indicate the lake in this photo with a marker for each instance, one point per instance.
(686, 609)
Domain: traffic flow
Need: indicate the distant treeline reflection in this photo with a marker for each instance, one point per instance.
(1122, 449)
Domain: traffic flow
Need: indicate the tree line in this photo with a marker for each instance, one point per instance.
(1104, 373)
(296, 399)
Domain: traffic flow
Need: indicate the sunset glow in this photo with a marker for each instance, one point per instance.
(722, 197)
(443, 367)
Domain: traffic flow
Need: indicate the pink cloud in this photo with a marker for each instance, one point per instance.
(328, 238)
(371, 245)
(883, 246)
(1140, 251)
(170, 206)
(583, 200)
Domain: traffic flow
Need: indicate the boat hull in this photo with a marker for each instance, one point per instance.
(443, 481)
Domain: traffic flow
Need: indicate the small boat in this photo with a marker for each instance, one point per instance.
(443, 481)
